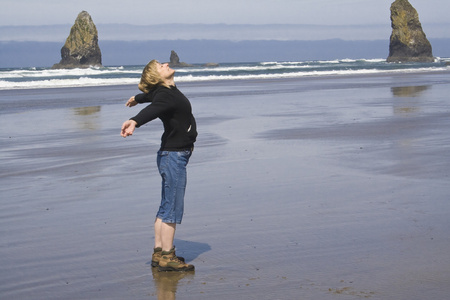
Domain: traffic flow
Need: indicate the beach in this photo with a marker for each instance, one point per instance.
(332, 187)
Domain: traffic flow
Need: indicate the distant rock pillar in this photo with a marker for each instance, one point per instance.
(175, 61)
(408, 42)
(81, 49)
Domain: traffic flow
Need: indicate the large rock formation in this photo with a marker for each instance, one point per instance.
(408, 41)
(81, 49)
(175, 61)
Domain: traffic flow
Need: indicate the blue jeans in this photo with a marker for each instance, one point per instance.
(172, 167)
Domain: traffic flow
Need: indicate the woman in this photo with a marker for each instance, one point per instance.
(177, 143)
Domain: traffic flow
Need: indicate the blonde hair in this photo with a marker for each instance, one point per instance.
(150, 77)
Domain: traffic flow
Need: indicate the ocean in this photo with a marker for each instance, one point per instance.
(36, 78)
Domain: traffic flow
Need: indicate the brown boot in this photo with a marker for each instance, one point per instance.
(156, 256)
(170, 262)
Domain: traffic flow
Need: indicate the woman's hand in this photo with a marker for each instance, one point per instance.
(128, 128)
(131, 102)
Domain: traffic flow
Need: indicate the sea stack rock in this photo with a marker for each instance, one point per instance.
(81, 49)
(408, 41)
(175, 61)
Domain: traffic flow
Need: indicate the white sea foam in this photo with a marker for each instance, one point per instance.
(123, 75)
(191, 77)
(60, 83)
(85, 81)
(243, 68)
(58, 73)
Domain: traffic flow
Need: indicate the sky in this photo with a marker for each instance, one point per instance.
(149, 12)
(348, 20)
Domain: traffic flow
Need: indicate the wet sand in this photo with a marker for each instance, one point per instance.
(313, 188)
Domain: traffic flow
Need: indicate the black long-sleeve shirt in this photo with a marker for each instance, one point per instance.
(175, 111)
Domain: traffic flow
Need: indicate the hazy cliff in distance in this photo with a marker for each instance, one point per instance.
(39, 46)
(126, 32)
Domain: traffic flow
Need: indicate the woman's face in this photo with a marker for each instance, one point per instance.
(165, 71)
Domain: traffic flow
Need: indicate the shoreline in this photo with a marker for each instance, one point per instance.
(227, 81)
(243, 77)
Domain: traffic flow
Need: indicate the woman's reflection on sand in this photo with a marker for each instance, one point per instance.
(166, 283)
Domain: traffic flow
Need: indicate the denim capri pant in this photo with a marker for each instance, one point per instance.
(172, 167)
